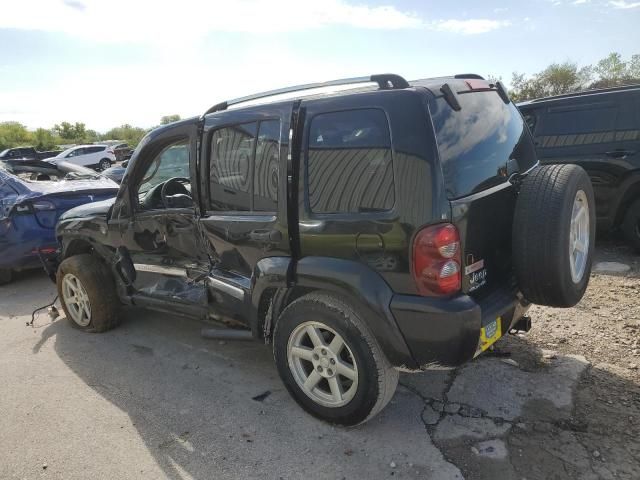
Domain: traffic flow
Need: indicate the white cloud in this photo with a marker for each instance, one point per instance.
(470, 26)
(580, 2)
(157, 22)
(622, 4)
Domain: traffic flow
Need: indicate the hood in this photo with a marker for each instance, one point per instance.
(89, 209)
(101, 185)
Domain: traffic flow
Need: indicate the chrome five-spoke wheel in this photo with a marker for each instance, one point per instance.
(76, 299)
(579, 236)
(322, 364)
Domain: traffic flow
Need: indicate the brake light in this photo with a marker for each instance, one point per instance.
(436, 260)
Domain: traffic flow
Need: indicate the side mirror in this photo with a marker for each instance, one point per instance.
(125, 163)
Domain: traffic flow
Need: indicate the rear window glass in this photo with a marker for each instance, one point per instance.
(477, 142)
(349, 162)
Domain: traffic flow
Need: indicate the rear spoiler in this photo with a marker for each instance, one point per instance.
(475, 84)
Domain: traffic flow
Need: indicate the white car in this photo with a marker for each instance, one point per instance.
(98, 157)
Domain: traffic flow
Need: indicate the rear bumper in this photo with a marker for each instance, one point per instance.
(444, 332)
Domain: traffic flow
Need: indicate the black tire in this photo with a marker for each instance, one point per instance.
(377, 379)
(5, 276)
(541, 235)
(631, 225)
(104, 164)
(97, 281)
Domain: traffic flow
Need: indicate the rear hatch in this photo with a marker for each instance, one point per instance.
(482, 142)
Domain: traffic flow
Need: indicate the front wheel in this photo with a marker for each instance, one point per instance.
(104, 164)
(88, 294)
(330, 362)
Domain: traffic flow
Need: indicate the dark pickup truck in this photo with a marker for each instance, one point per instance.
(26, 153)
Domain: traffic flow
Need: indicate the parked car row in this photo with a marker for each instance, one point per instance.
(99, 157)
(26, 153)
(33, 196)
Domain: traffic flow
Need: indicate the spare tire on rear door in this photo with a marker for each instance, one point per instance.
(554, 235)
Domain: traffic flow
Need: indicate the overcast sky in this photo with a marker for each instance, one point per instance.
(109, 62)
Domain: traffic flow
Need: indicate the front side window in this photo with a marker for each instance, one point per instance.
(171, 162)
(349, 162)
(243, 167)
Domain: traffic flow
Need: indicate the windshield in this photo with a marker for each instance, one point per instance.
(64, 153)
(44, 171)
(477, 143)
(4, 152)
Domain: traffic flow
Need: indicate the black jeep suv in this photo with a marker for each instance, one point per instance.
(363, 226)
(600, 131)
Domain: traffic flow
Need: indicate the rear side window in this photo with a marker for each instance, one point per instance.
(577, 125)
(477, 143)
(349, 162)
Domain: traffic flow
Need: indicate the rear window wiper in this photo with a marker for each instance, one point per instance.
(450, 97)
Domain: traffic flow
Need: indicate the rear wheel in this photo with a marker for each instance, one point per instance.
(87, 292)
(631, 225)
(104, 164)
(329, 361)
(554, 235)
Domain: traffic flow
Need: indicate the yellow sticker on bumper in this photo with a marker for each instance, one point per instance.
(489, 334)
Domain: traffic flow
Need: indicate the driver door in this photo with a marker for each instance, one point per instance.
(161, 236)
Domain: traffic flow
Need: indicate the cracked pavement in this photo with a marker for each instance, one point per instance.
(152, 399)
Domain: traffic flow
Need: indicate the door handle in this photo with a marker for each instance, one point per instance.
(267, 236)
(620, 153)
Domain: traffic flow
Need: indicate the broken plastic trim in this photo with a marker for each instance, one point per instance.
(451, 97)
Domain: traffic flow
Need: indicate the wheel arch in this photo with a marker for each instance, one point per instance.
(351, 281)
(630, 194)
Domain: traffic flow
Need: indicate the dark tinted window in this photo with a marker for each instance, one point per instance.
(476, 142)
(97, 149)
(232, 149)
(265, 172)
(584, 118)
(349, 162)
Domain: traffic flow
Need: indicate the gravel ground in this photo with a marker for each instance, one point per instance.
(152, 399)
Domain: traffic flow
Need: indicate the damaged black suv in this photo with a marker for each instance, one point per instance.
(363, 226)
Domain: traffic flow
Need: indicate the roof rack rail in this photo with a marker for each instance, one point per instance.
(473, 76)
(630, 86)
(385, 81)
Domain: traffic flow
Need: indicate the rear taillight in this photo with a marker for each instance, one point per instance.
(436, 260)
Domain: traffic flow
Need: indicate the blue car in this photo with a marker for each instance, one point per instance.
(33, 195)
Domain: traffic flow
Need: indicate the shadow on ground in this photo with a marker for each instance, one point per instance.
(191, 401)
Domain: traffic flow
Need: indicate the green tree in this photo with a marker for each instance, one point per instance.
(13, 134)
(126, 133)
(43, 139)
(559, 78)
(556, 79)
(73, 133)
(169, 119)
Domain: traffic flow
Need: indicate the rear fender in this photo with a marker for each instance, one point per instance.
(367, 290)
